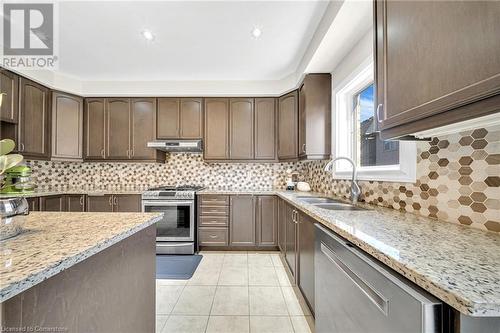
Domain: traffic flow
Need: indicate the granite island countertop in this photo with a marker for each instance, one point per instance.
(55, 241)
(458, 264)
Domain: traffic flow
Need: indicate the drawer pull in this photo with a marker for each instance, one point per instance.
(213, 236)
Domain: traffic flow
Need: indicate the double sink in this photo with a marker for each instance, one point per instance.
(328, 203)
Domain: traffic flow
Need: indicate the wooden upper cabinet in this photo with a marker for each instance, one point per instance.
(242, 220)
(315, 117)
(437, 63)
(9, 90)
(191, 124)
(54, 203)
(265, 128)
(180, 118)
(168, 124)
(118, 128)
(216, 129)
(67, 126)
(241, 143)
(95, 128)
(34, 127)
(75, 202)
(143, 128)
(288, 127)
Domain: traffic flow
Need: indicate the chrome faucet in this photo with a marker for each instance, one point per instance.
(355, 189)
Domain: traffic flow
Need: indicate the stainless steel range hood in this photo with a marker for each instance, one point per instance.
(173, 146)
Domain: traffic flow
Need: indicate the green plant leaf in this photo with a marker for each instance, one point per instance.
(6, 146)
(9, 161)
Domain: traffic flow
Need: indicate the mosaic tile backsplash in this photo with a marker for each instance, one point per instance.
(458, 180)
(179, 169)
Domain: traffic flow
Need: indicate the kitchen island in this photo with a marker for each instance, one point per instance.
(74, 271)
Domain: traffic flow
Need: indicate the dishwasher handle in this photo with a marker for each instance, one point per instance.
(379, 301)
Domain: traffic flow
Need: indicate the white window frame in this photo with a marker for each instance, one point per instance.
(344, 134)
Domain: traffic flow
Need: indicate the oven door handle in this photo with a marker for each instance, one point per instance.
(167, 204)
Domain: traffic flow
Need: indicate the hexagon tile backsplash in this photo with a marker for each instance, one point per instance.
(458, 180)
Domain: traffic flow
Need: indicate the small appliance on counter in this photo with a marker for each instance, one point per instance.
(18, 180)
(303, 187)
(291, 179)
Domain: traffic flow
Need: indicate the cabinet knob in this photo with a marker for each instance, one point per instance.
(380, 108)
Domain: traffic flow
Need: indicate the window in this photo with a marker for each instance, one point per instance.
(356, 134)
(371, 150)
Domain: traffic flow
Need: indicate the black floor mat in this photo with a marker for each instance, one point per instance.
(179, 267)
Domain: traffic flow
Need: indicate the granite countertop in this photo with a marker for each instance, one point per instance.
(55, 241)
(458, 264)
(236, 191)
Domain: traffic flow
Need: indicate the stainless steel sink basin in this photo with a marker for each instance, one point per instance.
(319, 200)
(337, 206)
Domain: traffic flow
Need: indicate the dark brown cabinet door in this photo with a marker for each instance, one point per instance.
(287, 127)
(282, 211)
(291, 240)
(34, 138)
(241, 129)
(267, 220)
(127, 203)
(302, 121)
(102, 203)
(67, 126)
(242, 220)
(95, 128)
(75, 203)
(216, 129)
(450, 53)
(33, 204)
(118, 129)
(9, 89)
(54, 203)
(265, 128)
(191, 125)
(306, 241)
(315, 117)
(168, 124)
(143, 128)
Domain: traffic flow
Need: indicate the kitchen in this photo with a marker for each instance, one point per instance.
(302, 166)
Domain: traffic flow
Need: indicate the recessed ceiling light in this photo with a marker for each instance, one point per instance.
(256, 32)
(148, 34)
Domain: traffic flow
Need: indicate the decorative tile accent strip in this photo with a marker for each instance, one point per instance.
(458, 180)
(179, 169)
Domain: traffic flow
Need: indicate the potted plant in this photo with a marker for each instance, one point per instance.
(12, 210)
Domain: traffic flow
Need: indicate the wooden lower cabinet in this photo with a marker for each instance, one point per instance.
(267, 221)
(127, 203)
(33, 204)
(53, 203)
(208, 236)
(306, 239)
(102, 203)
(213, 220)
(75, 202)
(114, 203)
(282, 226)
(291, 240)
(242, 221)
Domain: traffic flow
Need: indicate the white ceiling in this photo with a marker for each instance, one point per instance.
(101, 41)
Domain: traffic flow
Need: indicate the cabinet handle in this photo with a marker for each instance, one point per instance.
(102, 153)
(128, 153)
(133, 152)
(115, 201)
(110, 200)
(81, 200)
(304, 148)
(380, 108)
(213, 236)
(21, 146)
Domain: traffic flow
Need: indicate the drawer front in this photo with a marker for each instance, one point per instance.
(214, 200)
(214, 210)
(214, 221)
(213, 236)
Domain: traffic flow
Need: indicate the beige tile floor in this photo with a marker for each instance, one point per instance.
(233, 292)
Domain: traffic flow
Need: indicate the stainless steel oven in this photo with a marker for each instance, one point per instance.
(175, 232)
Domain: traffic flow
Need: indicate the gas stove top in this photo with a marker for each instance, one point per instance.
(171, 192)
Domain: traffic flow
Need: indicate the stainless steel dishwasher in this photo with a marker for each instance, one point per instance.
(356, 293)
